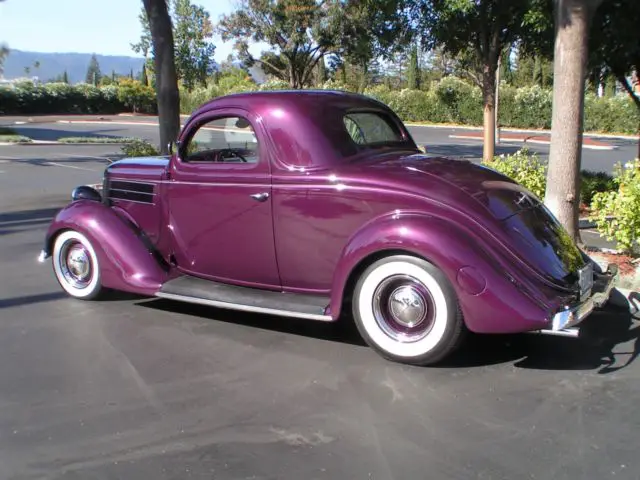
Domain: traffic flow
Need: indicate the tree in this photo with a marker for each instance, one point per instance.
(145, 44)
(614, 48)
(299, 33)
(143, 75)
(572, 23)
(321, 74)
(413, 74)
(93, 71)
(4, 51)
(193, 48)
(65, 77)
(192, 31)
(165, 71)
(371, 29)
(479, 30)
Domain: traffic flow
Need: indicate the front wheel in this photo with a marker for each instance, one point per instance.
(76, 265)
(406, 309)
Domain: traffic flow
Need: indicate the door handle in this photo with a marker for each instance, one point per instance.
(260, 197)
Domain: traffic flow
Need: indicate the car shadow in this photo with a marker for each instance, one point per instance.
(596, 348)
(341, 331)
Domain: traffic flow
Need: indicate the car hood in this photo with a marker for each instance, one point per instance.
(510, 212)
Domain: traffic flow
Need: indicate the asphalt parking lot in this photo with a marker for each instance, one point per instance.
(141, 388)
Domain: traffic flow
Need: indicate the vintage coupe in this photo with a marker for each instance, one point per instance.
(317, 205)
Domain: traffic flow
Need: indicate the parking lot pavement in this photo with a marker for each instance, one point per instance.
(439, 140)
(135, 387)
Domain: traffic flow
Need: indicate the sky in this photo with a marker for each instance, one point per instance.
(105, 27)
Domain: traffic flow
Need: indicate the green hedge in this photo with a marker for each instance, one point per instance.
(450, 100)
(454, 101)
(27, 98)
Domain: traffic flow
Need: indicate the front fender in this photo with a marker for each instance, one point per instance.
(126, 262)
(490, 299)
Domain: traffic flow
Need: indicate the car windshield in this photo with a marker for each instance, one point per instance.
(371, 129)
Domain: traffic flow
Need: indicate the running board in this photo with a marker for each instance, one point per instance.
(206, 292)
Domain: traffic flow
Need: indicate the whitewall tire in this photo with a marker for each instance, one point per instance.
(76, 265)
(406, 309)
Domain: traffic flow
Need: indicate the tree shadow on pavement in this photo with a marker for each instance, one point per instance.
(609, 341)
(31, 299)
(14, 222)
(54, 134)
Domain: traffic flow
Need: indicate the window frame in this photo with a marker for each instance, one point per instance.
(402, 138)
(197, 123)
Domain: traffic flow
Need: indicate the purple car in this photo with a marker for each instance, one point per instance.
(319, 205)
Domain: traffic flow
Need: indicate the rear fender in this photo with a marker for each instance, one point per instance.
(492, 301)
(127, 263)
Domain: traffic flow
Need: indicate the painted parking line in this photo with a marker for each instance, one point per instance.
(540, 142)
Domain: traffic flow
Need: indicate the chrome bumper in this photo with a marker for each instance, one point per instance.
(565, 322)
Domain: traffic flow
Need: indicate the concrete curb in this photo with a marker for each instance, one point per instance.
(541, 142)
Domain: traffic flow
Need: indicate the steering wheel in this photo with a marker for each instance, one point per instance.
(233, 153)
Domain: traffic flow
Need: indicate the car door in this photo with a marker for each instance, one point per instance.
(219, 195)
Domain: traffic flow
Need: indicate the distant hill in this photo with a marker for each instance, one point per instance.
(53, 65)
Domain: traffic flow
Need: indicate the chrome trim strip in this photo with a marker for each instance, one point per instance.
(117, 199)
(139, 192)
(245, 308)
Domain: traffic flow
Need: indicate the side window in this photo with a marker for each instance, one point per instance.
(367, 128)
(224, 139)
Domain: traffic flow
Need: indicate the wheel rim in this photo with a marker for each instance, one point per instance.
(403, 308)
(75, 264)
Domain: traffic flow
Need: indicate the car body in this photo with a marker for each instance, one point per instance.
(319, 205)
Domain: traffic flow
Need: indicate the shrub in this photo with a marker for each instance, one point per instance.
(523, 167)
(617, 213)
(136, 95)
(593, 182)
(140, 148)
(14, 139)
(26, 98)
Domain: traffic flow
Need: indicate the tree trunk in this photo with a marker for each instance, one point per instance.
(489, 102)
(165, 71)
(572, 22)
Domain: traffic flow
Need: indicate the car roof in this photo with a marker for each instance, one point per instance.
(306, 125)
(306, 96)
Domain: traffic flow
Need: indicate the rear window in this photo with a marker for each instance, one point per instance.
(369, 128)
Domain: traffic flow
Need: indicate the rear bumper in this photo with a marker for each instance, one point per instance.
(565, 321)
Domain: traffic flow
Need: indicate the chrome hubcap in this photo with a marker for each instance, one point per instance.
(403, 308)
(407, 306)
(75, 264)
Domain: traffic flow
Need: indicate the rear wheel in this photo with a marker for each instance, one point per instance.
(406, 309)
(76, 265)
